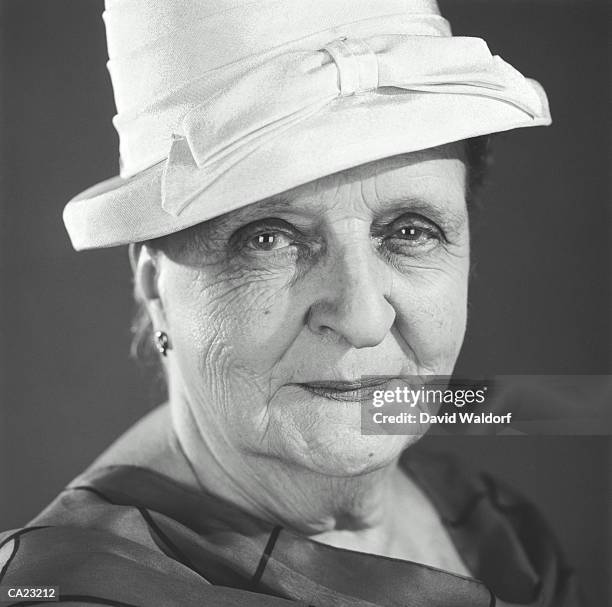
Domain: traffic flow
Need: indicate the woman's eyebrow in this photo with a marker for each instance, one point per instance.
(264, 207)
(252, 212)
(443, 212)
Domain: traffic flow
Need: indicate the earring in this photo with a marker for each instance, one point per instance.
(161, 342)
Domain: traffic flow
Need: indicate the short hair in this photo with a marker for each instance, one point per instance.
(143, 350)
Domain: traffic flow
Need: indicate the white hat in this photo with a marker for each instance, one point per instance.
(222, 103)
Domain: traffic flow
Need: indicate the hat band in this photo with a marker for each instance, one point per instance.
(294, 86)
(357, 65)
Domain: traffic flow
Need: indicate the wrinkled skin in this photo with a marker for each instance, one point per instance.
(360, 273)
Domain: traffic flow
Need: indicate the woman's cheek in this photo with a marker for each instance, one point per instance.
(243, 322)
(431, 317)
(210, 324)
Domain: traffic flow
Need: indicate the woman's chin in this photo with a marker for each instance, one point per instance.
(347, 455)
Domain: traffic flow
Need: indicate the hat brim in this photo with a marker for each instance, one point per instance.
(347, 133)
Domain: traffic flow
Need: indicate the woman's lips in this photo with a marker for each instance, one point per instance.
(345, 391)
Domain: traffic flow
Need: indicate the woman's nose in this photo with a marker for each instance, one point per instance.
(353, 300)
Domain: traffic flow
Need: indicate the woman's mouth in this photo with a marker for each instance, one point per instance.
(346, 391)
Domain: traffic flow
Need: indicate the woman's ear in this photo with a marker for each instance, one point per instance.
(146, 270)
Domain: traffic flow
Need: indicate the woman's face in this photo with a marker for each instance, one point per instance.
(360, 273)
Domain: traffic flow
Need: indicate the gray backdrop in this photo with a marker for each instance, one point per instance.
(541, 292)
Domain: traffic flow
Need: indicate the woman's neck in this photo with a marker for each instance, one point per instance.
(299, 499)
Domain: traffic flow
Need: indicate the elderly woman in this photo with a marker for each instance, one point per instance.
(294, 190)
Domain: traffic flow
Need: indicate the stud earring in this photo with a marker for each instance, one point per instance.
(161, 342)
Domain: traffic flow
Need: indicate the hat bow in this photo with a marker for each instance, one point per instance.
(267, 100)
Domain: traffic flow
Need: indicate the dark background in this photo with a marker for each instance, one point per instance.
(541, 298)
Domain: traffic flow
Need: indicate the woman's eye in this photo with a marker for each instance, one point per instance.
(415, 233)
(269, 241)
(270, 235)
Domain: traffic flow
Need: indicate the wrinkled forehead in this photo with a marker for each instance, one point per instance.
(435, 177)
